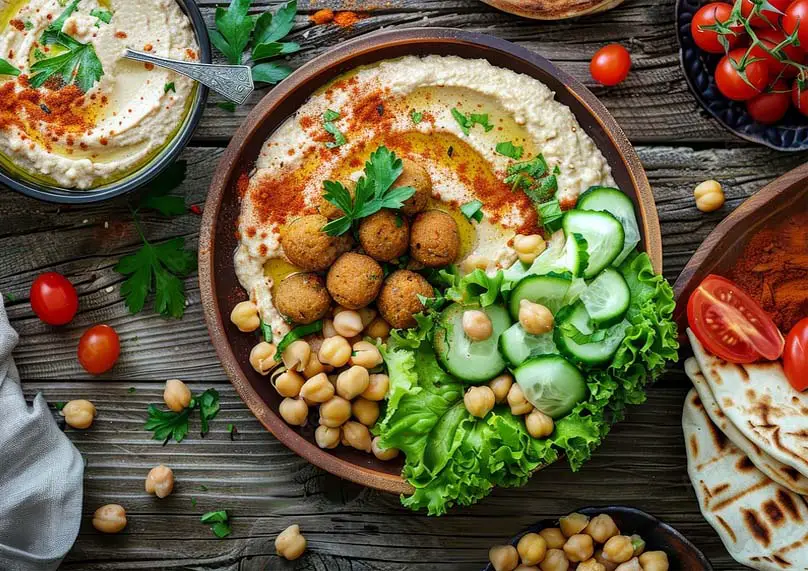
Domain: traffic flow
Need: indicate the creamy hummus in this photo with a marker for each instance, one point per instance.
(78, 139)
(407, 105)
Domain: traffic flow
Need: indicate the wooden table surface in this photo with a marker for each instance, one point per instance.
(264, 486)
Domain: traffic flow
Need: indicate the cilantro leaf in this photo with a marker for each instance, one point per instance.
(508, 149)
(79, 64)
(8, 69)
(416, 117)
(169, 87)
(467, 122)
(271, 73)
(52, 33)
(221, 523)
(270, 27)
(328, 124)
(167, 424)
(473, 210)
(534, 178)
(330, 115)
(103, 15)
(208, 408)
(551, 215)
(233, 29)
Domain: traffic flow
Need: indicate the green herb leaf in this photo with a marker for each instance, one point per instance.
(103, 15)
(534, 178)
(473, 210)
(266, 51)
(131, 390)
(214, 517)
(52, 33)
(297, 333)
(28, 25)
(221, 529)
(157, 196)
(416, 116)
(551, 215)
(8, 69)
(271, 28)
(208, 408)
(169, 87)
(227, 106)
(508, 149)
(59, 405)
(220, 520)
(467, 122)
(270, 73)
(328, 124)
(234, 27)
(79, 65)
(167, 424)
(330, 115)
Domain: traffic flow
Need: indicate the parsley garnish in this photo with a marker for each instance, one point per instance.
(54, 30)
(10, 297)
(28, 25)
(473, 210)
(59, 405)
(328, 124)
(292, 336)
(467, 122)
(78, 64)
(508, 149)
(227, 106)
(234, 26)
(131, 390)
(208, 408)
(271, 73)
(169, 87)
(231, 428)
(102, 15)
(8, 69)
(416, 117)
(221, 524)
(534, 178)
(167, 424)
(270, 28)
(551, 215)
(374, 191)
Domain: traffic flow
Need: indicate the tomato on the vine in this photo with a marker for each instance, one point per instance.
(709, 15)
(99, 349)
(54, 299)
(764, 18)
(777, 68)
(729, 75)
(795, 356)
(771, 106)
(610, 64)
(796, 18)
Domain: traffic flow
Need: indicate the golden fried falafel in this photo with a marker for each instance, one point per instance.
(434, 239)
(331, 211)
(416, 176)
(354, 280)
(303, 298)
(308, 247)
(398, 301)
(385, 235)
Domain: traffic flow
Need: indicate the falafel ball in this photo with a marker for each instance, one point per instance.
(385, 235)
(331, 211)
(303, 298)
(398, 301)
(308, 247)
(354, 280)
(434, 239)
(416, 176)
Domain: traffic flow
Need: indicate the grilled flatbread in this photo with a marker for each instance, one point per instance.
(552, 9)
(762, 524)
(761, 403)
(782, 474)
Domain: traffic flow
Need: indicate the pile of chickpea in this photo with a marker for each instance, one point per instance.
(592, 544)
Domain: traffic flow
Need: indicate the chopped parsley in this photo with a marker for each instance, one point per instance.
(293, 335)
(28, 25)
(169, 87)
(131, 390)
(328, 124)
(416, 116)
(534, 178)
(167, 424)
(79, 64)
(473, 210)
(59, 405)
(551, 215)
(221, 524)
(467, 122)
(508, 149)
(102, 15)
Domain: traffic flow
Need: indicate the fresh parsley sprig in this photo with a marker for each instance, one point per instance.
(79, 65)
(467, 122)
(328, 124)
(508, 149)
(221, 523)
(167, 424)
(534, 178)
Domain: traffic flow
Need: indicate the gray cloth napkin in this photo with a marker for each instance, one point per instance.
(40, 474)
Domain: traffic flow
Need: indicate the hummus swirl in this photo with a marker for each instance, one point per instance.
(80, 140)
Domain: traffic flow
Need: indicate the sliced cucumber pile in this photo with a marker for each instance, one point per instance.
(552, 384)
(517, 345)
(549, 290)
(615, 202)
(603, 234)
(475, 362)
(607, 298)
(597, 351)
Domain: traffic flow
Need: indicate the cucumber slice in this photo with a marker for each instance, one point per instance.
(571, 258)
(618, 204)
(598, 351)
(552, 384)
(475, 362)
(517, 345)
(603, 234)
(607, 298)
(549, 291)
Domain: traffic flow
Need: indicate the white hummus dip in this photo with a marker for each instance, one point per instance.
(76, 139)
(407, 105)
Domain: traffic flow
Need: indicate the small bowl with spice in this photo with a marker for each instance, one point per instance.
(80, 122)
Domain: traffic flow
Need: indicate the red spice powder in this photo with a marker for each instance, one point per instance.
(323, 16)
(346, 19)
(121, 35)
(243, 184)
(276, 199)
(19, 25)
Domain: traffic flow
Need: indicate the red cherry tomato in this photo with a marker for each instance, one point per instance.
(799, 97)
(732, 84)
(99, 349)
(764, 18)
(54, 299)
(796, 18)
(610, 64)
(707, 16)
(795, 356)
(770, 107)
(771, 39)
(730, 324)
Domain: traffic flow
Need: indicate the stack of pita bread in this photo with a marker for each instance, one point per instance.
(746, 433)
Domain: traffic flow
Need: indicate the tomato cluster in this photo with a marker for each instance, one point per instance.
(764, 43)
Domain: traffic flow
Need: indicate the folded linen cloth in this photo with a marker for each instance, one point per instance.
(40, 474)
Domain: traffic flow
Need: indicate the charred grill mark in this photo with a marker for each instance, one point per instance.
(762, 483)
(745, 464)
(720, 488)
(773, 512)
(727, 528)
(756, 527)
(743, 373)
(790, 473)
(694, 445)
(786, 502)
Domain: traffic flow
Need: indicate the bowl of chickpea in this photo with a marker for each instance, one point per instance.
(613, 538)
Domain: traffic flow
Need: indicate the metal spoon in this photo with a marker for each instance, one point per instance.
(231, 81)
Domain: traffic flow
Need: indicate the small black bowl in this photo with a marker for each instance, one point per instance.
(790, 134)
(658, 536)
(148, 171)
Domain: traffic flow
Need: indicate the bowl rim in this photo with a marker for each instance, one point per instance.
(230, 163)
(149, 171)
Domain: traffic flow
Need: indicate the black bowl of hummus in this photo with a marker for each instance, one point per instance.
(79, 122)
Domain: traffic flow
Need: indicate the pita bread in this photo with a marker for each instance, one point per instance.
(759, 400)
(782, 474)
(762, 524)
(552, 9)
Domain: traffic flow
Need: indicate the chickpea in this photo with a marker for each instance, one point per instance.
(327, 437)
(631, 565)
(579, 548)
(317, 389)
(524, 567)
(378, 386)
(289, 383)
(501, 385)
(177, 395)
(600, 558)
(353, 382)
(328, 329)
(79, 413)
(365, 411)
(503, 557)
(160, 481)
(335, 351)
(639, 545)
(262, 357)
(474, 262)
(618, 549)
(709, 196)
(294, 411)
(110, 518)
(479, 401)
(477, 325)
(535, 318)
(538, 424)
(553, 537)
(654, 561)
(532, 548)
(357, 436)
(366, 355)
(245, 317)
(290, 544)
(296, 355)
(383, 454)
(378, 329)
(602, 528)
(335, 412)
(528, 248)
(555, 560)
(367, 315)
(348, 323)
(591, 565)
(573, 523)
(517, 401)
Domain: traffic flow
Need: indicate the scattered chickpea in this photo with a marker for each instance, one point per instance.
(317, 389)
(538, 424)
(573, 523)
(290, 544)
(348, 323)
(365, 411)
(79, 413)
(357, 436)
(553, 537)
(591, 565)
(367, 315)
(245, 317)
(503, 557)
(328, 329)
(262, 357)
(602, 528)
(501, 385)
(378, 329)
(366, 355)
(296, 355)
(535, 318)
(294, 411)
(618, 549)
(532, 548)
(289, 383)
(378, 385)
(528, 248)
(477, 325)
(555, 560)
(631, 565)
(654, 561)
(327, 437)
(160, 481)
(335, 412)
(517, 401)
(177, 395)
(639, 545)
(335, 351)
(383, 454)
(479, 401)
(579, 547)
(353, 382)
(709, 196)
(110, 518)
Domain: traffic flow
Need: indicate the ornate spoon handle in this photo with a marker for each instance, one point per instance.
(231, 81)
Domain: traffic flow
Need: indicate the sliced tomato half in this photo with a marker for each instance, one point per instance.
(732, 325)
(795, 358)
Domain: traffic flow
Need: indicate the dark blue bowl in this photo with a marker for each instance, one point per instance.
(790, 134)
(150, 170)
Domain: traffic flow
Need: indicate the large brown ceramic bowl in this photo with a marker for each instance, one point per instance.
(219, 286)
